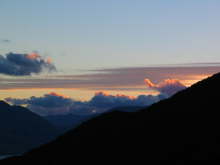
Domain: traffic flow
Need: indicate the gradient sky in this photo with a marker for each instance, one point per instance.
(80, 35)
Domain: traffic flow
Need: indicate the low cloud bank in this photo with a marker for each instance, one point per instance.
(54, 103)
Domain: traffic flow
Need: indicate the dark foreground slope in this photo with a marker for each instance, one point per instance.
(184, 129)
(21, 130)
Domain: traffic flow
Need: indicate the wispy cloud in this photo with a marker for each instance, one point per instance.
(116, 78)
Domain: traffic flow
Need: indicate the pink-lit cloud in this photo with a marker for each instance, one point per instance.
(55, 103)
(168, 86)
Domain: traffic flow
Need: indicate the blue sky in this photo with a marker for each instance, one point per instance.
(95, 35)
(85, 34)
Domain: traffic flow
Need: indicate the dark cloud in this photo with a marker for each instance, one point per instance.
(168, 87)
(5, 41)
(103, 100)
(24, 64)
(53, 103)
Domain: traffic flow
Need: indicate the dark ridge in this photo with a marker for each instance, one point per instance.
(71, 121)
(67, 121)
(22, 130)
(4, 104)
(183, 129)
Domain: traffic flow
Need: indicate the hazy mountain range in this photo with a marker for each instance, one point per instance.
(71, 121)
(22, 129)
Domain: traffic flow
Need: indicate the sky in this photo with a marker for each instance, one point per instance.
(104, 45)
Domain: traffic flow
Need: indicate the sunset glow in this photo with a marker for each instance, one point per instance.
(85, 92)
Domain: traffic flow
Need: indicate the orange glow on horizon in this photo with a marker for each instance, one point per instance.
(87, 93)
(78, 94)
(194, 79)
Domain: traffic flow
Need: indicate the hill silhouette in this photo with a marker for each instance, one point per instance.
(67, 121)
(71, 121)
(21, 130)
(183, 129)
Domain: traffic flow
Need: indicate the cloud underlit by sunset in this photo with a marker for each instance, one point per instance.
(168, 86)
(132, 81)
(57, 104)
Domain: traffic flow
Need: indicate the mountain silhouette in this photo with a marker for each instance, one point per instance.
(71, 121)
(21, 130)
(183, 129)
(68, 121)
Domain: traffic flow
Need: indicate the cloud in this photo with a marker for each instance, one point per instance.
(5, 40)
(114, 79)
(24, 64)
(168, 87)
(54, 103)
(104, 100)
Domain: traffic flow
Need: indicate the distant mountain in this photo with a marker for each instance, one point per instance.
(183, 129)
(68, 121)
(21, 130)
(127, 108)
(71, 121)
